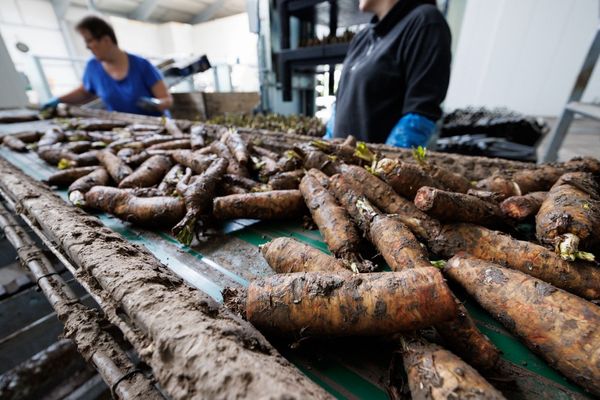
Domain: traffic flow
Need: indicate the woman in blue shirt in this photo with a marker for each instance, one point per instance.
(125, 82)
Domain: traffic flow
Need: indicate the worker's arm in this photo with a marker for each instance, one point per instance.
(427, 63)
(427, 73)
(161, 93)
(76, 96)
(161, 99)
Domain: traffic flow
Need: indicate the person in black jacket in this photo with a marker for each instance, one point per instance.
(395, 75)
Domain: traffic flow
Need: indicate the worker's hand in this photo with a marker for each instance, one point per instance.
(148, 103)
(413, 130)
(52, 103)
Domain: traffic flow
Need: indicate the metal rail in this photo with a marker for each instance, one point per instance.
(96, 294)
(111, 361)
(574, 106)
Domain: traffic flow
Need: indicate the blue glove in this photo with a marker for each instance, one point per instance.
(150, 104)
(330, 124)
(52, 103)
(412, 130)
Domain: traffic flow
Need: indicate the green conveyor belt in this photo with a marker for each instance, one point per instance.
(234, 259)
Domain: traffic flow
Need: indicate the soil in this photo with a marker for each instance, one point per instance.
(87, 328)
(197, 348)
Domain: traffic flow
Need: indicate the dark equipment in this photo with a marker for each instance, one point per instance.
(493, 133)
(501, 123)
(189, 68)
(481, 145)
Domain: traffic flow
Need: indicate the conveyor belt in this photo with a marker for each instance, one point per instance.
(347, 368)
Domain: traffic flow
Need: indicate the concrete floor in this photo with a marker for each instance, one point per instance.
(583, 139)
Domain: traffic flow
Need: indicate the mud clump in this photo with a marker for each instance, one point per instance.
(211, 352)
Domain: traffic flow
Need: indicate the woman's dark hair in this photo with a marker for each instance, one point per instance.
(97, 27)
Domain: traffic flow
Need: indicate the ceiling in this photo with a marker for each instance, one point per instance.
(185, 11)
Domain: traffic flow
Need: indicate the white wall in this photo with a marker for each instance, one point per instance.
(229, 41)
(226, 40)
(30, 21)
(177, 39)
(522, 54)
(138, 37)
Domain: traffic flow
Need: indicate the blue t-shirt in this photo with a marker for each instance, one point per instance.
(122, 95)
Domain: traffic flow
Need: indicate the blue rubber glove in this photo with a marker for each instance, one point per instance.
(330, 124)
(413, 130)
(52, 103)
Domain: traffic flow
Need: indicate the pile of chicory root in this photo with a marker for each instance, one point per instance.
(426, 223)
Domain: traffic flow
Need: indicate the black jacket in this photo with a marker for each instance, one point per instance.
(395, 66)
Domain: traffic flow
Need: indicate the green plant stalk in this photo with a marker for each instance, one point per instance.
(568, 249)
(364, 153)
(186, 235)
(420, 155)
(64, 164)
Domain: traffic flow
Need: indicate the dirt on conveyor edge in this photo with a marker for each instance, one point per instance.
(197, 348)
